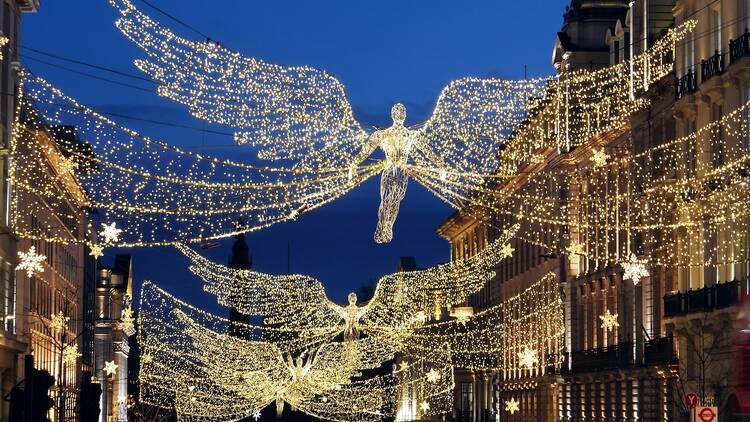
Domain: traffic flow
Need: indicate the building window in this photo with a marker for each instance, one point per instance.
(466, 401)
(715, 14)
(688, 53)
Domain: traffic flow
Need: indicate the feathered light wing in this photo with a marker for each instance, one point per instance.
(404, 298)
(471, 122)
(292, 301)
(295, 113)
(197, 367)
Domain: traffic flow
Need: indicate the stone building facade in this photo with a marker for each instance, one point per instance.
(678, 330)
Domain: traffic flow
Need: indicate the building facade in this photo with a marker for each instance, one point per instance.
(114, 324)
(12, 345)
(678, 330)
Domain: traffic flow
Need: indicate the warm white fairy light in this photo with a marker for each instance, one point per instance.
(31, 261)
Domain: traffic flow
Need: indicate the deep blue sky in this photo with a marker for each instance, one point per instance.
(384, 52)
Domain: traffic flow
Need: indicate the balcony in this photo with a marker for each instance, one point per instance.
(739, 48)
(712, 66)
(706, 299)
(685, 85)
(603, 358)
(660, 351)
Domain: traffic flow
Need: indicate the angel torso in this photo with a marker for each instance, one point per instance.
(396, 142)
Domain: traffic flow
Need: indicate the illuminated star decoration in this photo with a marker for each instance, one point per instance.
(575, 249)
(433, 375)
(146, 358)
(512, 406)
(421, 317)
(256, 415)
(110, 368)
(110, 232)
(527, 357)
(126, 320)
(31, 261)
(70, 354)
(599, 158)
(58, 322)
(424, 406)
(97, 251)
(507, 251)
(609, 321)
(635, 269)
(403, 366)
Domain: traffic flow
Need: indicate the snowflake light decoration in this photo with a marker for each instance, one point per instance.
(635, 269)
(70, 354)
(575, 249)
(424, 406)
(126, 323)
(31, 261)
(609, 321)
(527, 357)
(512, 406)
(97, 251)
(256, 415)
(599, 158)
(110, 368)
(433, 376)
(110, 233)
(58, 322)
(507, 251)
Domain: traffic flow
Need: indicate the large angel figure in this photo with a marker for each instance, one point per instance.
(193, 362)
(401, 301)
(301, 115)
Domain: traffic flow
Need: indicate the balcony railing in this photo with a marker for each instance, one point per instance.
(660, 351)
(685, 85)
(704, 300)
(712, 66)
(740, 47)
(603, 358)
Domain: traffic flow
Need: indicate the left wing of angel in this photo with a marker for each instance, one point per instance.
(296, 113)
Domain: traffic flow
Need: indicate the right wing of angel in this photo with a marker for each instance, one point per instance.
(296, 113)
(290, 301)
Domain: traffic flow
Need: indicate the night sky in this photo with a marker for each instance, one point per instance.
(384, 52)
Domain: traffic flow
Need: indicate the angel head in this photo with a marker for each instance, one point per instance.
(398, 114)
(352, 298)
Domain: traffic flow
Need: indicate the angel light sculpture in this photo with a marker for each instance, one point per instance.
(301, 115)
